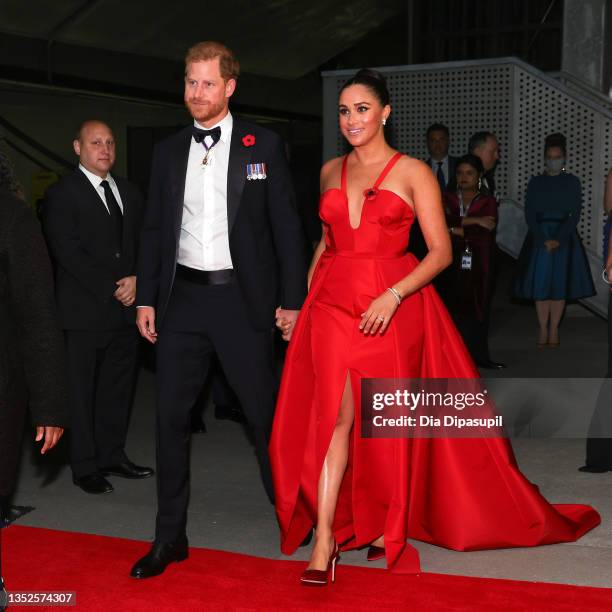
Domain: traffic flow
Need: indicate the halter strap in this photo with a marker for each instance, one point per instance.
(343, 175)
(387, 169)
(381, 176)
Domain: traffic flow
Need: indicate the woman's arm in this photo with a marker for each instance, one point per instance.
(608, 194)
(569, 225)
(422, 188)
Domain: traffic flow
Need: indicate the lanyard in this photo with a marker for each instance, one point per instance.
(463, 210)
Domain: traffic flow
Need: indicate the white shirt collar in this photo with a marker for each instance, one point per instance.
(225, 124)
(444, 160)
(94, 179)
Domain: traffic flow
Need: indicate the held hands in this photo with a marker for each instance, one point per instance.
(126, 291)
(285, 321)
(51, 436)
(145, 321)
(377, 317)
(551, 245)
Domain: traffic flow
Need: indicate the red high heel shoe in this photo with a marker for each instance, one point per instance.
(375, 553)
(312, 577)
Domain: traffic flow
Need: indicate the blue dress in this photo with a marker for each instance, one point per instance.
(552, 211)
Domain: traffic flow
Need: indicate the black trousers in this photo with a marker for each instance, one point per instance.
(202, 320)
(101, 374)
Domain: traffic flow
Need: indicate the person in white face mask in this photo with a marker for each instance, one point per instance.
(552, 265)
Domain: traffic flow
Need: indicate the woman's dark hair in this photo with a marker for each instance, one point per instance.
(555, 140)
(374, 81)
(471, 160)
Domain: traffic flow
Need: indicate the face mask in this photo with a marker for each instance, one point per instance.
(554, 166)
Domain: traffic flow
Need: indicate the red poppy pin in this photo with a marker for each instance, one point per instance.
(248, 140)
(370, 193)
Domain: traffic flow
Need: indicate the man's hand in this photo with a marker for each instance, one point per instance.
(51, 436)
(126, 290)
(285, 321)
(145, 321)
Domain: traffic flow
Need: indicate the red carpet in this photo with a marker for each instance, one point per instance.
(97, 568)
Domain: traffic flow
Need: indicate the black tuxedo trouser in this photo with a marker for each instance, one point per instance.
(101, 373)
(202, 320)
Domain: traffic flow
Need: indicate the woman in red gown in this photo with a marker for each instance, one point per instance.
(372, 313)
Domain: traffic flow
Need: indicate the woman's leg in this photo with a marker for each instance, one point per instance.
(543, 312)
(556, 313)
(330, 479)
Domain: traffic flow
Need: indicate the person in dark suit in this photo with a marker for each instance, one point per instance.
(92, 222)
(443, 166)
(222, 247)
(31, 349)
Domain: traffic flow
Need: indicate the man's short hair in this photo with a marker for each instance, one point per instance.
(478, 139)
(210, 49)
(437, 127)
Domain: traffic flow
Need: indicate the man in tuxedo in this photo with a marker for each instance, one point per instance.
(92, 221)
(222, 251)
(443, 166)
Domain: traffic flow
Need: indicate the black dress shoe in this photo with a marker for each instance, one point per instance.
(159, 557)
(594, 469)
(93, 483)
(229, 413)
(490, 365)
(198, 426)
(127, 469)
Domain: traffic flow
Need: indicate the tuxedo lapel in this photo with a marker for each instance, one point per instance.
(128, 212)
(236, 172)
(178, 171)
(95, 204)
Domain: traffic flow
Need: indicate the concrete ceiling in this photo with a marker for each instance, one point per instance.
(277, 38)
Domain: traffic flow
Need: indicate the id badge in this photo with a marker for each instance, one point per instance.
(466, 261)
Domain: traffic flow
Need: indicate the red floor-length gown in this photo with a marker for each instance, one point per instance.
(463, 494)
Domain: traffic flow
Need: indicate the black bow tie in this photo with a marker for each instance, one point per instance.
(199, 135)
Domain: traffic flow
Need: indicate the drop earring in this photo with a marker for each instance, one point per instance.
(384, 121)
(479, 184)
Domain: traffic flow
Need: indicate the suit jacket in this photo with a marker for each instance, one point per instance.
(88, 259)
(452, 169)
(266, 239)
(31, 344)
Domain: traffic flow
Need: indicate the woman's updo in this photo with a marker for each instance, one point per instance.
(471, 160)
(374, 81)
(555, 140)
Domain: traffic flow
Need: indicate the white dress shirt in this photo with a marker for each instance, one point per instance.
(96, 181)
(434, 167)
(204, 239)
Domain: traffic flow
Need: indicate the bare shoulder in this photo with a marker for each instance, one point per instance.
(413, 167)
(330, 173)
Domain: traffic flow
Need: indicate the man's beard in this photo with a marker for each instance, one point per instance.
(205, 112)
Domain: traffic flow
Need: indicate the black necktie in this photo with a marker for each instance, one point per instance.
(199, 136)
(440, 176)
(114, 210)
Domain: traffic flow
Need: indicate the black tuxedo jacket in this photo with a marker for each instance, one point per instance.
(88, 259)
(266, 238)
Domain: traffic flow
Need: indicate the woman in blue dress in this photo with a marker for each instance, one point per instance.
(552, 265)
